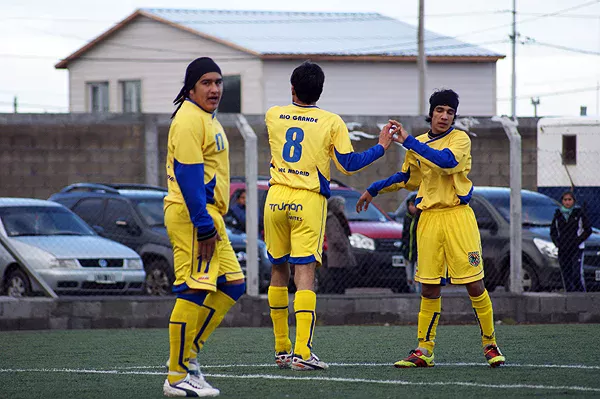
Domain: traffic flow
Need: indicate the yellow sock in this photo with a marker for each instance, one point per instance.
(215, 307)
(279, 302)
(182, 330)
(482, 306)
(305, 304)
(429, 315)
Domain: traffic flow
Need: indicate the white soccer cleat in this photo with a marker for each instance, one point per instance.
(283, 360)
(313, 363)
(190, 387)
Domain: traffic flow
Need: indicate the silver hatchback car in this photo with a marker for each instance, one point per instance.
(64, 251)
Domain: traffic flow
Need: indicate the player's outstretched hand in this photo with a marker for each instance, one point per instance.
(364, 200)
(386, 137)
(398, 132)
(206, 248)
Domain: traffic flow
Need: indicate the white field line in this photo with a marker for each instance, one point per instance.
(273, 365)
(315, 378)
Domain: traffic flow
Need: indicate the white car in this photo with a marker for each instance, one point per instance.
(64, 251)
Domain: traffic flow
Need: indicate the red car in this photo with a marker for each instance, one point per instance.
(376, 241)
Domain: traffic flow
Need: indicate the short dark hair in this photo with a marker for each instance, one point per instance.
(307, 80)
(443, 97)
(568, 193)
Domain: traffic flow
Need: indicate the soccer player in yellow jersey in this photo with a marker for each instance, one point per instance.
(448, 244)
(208, 277)
(303, 140)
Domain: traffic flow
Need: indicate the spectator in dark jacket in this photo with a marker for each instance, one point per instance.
(569, 230)
(340, 259)
(409, 241)
(238, 211)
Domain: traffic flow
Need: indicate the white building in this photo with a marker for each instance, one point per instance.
(369, 62)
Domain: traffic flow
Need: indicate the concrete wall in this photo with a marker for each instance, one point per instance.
(41, 153)
(136, 312)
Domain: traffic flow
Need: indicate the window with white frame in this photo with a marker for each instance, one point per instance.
(98, 95)
(131, 93)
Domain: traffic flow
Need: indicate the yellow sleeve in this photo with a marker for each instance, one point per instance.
(188, 139)
(345, 159)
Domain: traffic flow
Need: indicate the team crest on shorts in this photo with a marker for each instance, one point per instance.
(474, 258)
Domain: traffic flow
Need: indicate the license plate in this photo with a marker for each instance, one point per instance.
(105, 278)
(598, 275)
(398, 261)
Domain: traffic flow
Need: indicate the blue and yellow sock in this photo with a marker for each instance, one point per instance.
(214, 308)
(484, 313)
(305, 305)
(182, 330)
(429, 316)
(279, 302)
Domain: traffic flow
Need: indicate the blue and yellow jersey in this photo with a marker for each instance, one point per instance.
(198, 164)
(303, 140)
(438, 166)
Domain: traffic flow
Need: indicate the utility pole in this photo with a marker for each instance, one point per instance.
(535, 102)
(15, 105)
(422, 60)
(513, 104)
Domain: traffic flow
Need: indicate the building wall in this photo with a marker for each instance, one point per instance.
(40, 154)
(157, 54)
(391, 88)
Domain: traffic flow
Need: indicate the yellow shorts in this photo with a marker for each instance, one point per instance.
(448, 247)
(190, 273)
(294, 225)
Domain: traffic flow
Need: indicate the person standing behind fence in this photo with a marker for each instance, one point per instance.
(569, 230)
(409, 241)
(340, 259)
(208, 276)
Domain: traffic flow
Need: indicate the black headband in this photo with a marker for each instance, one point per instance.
(194, 71)
(443, 97)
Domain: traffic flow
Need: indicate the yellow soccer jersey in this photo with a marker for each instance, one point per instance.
(438, 166)
(198, 164)
(303, 140)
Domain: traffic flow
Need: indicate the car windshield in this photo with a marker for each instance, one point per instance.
(42, 221)
(537, 209)
(151, 210)
(373, 214)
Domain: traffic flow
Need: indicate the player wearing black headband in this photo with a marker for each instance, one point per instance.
(208, 276)
(448, 243)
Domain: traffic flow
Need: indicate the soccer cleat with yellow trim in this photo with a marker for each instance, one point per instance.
(416, 358)
(313, 363)
(283, 360)
(494, 357)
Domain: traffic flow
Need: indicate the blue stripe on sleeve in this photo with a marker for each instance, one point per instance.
(354, 161)
(190, 178)
(443, 158)
(399, 177)
(464, 199)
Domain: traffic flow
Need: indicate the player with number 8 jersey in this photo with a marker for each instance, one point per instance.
(303, 139)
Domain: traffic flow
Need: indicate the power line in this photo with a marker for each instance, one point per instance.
(564, 48)
(553, 93)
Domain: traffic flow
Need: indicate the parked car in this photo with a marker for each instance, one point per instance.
(63, 250)
(132, 214)
(541, 270)
(376, 241)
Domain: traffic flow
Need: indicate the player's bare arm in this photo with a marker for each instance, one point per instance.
(206, 248)
(386, 136)
(364, 201)
(399, 134)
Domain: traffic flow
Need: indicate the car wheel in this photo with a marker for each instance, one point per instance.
(529, 279)
(158, 278)
(17, 284)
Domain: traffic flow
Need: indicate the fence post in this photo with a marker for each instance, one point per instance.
(23, 263)
(516, 219)
(251, 165)
(151, 149)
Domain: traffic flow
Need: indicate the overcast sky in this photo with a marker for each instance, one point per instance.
(559, 62)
